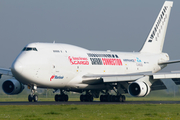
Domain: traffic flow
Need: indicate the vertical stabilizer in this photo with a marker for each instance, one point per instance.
(155, 40)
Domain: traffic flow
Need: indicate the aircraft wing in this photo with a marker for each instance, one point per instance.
(5, 72)
(101, 78)
(114, 78)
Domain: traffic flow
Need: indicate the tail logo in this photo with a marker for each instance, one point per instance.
(155, 29)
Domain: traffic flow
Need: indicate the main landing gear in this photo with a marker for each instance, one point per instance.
(32, 96)
(87, 97)
(61, 97)
(112, 98)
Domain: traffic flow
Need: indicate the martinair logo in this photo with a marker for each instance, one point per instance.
(56, 77)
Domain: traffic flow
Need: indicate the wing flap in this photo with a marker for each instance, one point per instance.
(121, 78)
(92, 81)
(169, 75)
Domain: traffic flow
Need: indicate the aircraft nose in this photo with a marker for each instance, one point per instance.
(17, 67)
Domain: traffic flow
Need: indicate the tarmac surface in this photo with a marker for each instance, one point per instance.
(87, 103)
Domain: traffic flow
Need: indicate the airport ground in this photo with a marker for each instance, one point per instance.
(98, 111)
(89, 112)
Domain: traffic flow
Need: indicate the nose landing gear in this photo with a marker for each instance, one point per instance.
(32, 96)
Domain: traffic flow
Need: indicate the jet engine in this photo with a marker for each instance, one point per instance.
(12, 87)
(139, 89)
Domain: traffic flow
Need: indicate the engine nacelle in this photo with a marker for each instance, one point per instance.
(139, 89)
(12, 87)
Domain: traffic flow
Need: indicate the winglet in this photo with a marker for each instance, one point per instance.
(155, 40)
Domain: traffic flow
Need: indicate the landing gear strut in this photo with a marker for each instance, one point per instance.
(32, 96)
(61, 97)
(87, 97)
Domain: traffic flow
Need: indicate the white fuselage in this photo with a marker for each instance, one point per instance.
(53, 65)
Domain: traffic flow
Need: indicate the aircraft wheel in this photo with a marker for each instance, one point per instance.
(113, 98)
(120, 98)
(104, 98)
(66, 98)
(123, 98)
(86, 98)
(91, 98)
(101, 98)
(30, 98)
(56, 98)
(81, 98)
(35, 98)
(60, 98)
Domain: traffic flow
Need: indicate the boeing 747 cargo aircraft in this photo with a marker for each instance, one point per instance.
(70, 68)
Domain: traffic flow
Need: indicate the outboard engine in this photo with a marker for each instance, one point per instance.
(12, 86)
(139, 89)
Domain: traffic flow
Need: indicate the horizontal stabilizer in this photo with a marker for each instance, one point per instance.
(169, 62)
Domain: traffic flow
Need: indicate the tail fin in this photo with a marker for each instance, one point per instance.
(155, 40)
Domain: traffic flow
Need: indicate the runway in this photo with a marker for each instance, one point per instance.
(86, 103)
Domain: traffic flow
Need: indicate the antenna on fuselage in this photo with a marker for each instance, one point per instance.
(54, 41)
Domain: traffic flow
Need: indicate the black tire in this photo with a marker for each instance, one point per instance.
(66, 98)
(108, 98)
(35, 98)
(82, 98)
(60, 98)
(56, 98)
(91, 98)
(113, 98)
(117, 98)
(120, 98)
(102, 98)
(30, 98)
(123, 98)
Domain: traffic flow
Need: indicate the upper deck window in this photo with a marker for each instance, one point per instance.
(29, 49)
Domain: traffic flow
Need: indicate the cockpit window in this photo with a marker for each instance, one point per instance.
(29, 49)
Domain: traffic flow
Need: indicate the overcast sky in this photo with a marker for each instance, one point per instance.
(117, 25)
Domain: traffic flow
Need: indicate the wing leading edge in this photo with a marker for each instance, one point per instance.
(5, 72)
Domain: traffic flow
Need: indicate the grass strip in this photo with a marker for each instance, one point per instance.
(89, 112)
